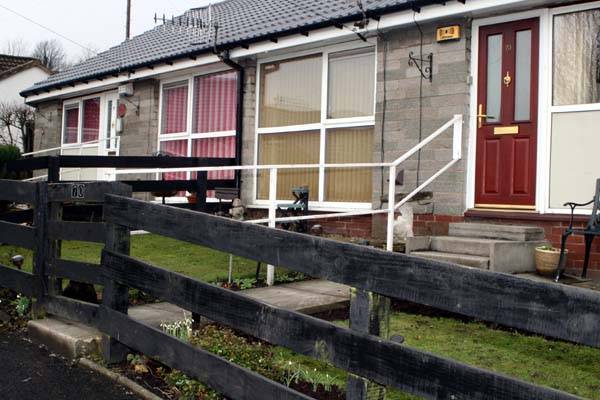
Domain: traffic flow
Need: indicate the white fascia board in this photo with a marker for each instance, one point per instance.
(393, 20)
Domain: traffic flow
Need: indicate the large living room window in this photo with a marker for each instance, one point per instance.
(198, 119)
(318, 109)
(575, 110)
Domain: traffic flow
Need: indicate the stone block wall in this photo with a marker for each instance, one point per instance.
(140, 128)
(409, 108)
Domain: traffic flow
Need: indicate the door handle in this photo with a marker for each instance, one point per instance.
(481, 116)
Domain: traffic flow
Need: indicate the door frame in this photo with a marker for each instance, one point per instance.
(544, 87)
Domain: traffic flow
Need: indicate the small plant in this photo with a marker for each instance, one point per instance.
(182, 330)
(139, 363)
(245, 283)
(22, 305)
(289, 277)
(547, 247)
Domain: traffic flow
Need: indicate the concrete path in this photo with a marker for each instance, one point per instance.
(31, 372)
(308, 297)
(73, 340)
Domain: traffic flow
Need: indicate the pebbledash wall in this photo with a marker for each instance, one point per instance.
(408, 109)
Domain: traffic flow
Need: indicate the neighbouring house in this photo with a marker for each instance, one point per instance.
(17, 74)
(307, 81)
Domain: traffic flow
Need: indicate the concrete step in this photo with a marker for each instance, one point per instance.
(455, 258)
(463, 245)
(496, 231)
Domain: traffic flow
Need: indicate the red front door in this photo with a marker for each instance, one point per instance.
(507, 115)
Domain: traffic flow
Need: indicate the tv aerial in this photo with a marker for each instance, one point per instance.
(200, 24)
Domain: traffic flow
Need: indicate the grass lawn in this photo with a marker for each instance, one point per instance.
(571, 368)
(568, 367)
(192, 260)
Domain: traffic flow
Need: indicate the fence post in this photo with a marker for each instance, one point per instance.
(53, 169)
(40, 219)
(115, 295)
(201, 187)
(370, 312)
(272, 217)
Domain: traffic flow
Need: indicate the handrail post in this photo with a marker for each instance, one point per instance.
(457, 137)
(272, 216)
(391, 208)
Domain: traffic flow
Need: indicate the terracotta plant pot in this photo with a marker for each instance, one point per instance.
(546, 260)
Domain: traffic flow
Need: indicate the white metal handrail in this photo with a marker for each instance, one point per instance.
(78, 146)
(74, 146)
(456, 122)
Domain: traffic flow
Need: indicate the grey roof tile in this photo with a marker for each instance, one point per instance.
(238, 20)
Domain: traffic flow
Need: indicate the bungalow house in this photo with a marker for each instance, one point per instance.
(16, 74)
(340, 81)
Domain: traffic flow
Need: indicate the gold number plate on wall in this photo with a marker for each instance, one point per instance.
(506, 130)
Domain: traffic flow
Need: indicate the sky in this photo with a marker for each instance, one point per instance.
(94, 24)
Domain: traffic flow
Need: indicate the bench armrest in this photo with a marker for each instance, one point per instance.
(573, 207)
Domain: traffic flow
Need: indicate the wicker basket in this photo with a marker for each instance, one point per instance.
(546, 261)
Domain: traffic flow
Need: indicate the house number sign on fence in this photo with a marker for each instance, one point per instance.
(78, 191)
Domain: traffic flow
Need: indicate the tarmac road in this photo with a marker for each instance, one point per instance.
(28, 371)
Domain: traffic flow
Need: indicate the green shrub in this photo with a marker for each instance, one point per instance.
(8, 153)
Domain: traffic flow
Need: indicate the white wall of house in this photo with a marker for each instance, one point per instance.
(14, 84)
(11, 86)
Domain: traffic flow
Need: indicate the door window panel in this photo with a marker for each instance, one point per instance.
(91, 119)
(349, 145)
(576, 58)
(494, 77)
(71, 129)
(523, 76)
(351, 83)
(289, 148)
(290, 92)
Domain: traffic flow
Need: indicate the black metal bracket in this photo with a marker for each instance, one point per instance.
(424, 65)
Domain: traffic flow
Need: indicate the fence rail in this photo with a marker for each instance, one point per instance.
(553, 310)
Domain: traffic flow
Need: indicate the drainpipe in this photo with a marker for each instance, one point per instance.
(224, 57)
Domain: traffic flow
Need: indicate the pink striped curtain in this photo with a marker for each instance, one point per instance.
(71, 125)
(174, 148)
(215, 98)
(222, 147)
(174, 109)
(91, 119)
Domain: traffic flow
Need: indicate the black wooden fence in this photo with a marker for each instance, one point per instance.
(556, 311)
(53, 164)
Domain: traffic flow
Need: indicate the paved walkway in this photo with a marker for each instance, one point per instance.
(72, 339)
(30, 372)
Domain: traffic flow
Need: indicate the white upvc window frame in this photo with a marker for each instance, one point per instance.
(78, 102)
(322, 126)
(552, 109)
(545, 107)
(188, 134)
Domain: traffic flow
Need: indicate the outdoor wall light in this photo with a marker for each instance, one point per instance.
(17, 260)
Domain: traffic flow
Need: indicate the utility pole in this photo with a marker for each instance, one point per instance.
(128, 22)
